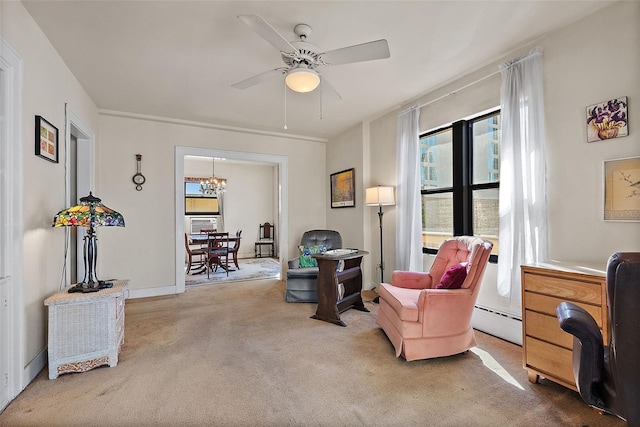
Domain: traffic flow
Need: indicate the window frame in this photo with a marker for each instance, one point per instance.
(463, 186)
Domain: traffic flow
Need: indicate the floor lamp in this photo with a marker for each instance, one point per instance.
(380, 196)
(90, 213)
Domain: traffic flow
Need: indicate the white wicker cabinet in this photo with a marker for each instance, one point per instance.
(85, 330)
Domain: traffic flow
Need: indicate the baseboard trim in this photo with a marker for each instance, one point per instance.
(34, 367)
(152, 292)
(497, 324)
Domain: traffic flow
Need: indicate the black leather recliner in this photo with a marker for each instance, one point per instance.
(608, 376)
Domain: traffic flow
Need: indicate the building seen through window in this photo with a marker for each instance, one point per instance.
(460, 178)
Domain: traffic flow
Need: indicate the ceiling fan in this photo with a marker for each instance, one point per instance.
(303, 58)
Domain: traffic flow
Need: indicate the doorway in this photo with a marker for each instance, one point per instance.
(281, 191)
(80, 147)
(11, 226)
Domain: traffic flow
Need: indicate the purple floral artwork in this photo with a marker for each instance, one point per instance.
(607, 120)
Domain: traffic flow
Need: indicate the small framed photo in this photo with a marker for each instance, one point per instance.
(622, 189)
(343, 189)
(607, 120)
(46, 140)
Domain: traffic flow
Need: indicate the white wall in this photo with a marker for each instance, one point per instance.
(346, 152)
(48, 85)
(575, 79)
(144, 251)
(575, 76)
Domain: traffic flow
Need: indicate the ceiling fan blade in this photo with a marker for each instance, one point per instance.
(251, 81)
(378, 49)
(328, 91)
(267, 32)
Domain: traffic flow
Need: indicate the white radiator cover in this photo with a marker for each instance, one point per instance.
(497, 324)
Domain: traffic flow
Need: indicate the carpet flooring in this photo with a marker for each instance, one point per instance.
(250, 269)
(236, 354)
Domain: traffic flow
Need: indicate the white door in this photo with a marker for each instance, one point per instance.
(4, 274)
(80, 141)
(11, 323)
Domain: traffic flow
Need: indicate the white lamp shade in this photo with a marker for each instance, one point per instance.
(379, 196)
(302, 80)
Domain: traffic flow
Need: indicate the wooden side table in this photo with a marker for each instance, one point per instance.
(547, 349)
(85, 330)
(329, 304)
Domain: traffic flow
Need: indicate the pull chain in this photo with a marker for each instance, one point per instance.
(321, 97)
(285, 106)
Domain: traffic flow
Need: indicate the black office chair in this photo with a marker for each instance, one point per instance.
(608, 376)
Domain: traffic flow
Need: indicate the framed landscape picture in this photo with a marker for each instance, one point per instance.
(622, 189)
(46, 140)
(343, 189)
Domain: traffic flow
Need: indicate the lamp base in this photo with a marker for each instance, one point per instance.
(85, 287)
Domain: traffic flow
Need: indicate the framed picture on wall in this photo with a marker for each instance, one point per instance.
(46, 140)
(343, 189)
(622, 189)
(607, 120)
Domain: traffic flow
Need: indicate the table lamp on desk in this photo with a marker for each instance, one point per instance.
(89, 213)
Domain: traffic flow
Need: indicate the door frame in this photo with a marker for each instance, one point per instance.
(282, 186)
(13, 334)
(85, 176)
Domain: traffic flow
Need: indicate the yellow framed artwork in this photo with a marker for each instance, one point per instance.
(622, 189)
(343, 189)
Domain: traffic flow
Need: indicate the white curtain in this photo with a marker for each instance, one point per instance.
(523, 207)
(220, 224)
(408, 206)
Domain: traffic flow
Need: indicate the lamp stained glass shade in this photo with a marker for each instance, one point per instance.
(89, 213)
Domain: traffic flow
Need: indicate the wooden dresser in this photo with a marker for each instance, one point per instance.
(547, 349)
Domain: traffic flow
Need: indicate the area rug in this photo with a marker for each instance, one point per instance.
(250, 269)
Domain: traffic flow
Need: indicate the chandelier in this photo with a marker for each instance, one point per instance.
(213, 186)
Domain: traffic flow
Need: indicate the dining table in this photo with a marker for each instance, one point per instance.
(202, 240)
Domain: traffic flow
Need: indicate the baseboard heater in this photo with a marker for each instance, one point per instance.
(501, 325)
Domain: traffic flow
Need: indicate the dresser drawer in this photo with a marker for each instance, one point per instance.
(546, 328)
(564, 289)
(547, 305)
(550, 359)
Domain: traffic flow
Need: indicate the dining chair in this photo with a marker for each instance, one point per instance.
(235, 247)
(199, 255)
(218, 251)
(265, 238)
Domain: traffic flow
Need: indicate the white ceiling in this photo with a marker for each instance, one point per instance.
(178, 59)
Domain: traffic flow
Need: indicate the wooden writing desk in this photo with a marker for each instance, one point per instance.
(329, 306)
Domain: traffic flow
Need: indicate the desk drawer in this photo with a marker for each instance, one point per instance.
(547, 328)
(564, 289)
(547, 305)
(551, 359)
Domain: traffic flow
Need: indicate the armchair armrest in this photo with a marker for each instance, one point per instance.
(450, 309)
(411, 279)
(294, 263)
(588, 351)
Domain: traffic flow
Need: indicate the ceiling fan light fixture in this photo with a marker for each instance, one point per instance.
(302, 80)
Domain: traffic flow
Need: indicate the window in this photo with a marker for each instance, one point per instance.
(460, 172)
(196, 203)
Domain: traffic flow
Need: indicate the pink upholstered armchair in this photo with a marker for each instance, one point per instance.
(428, 315)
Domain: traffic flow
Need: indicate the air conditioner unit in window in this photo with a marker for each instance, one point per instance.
(200, 223)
